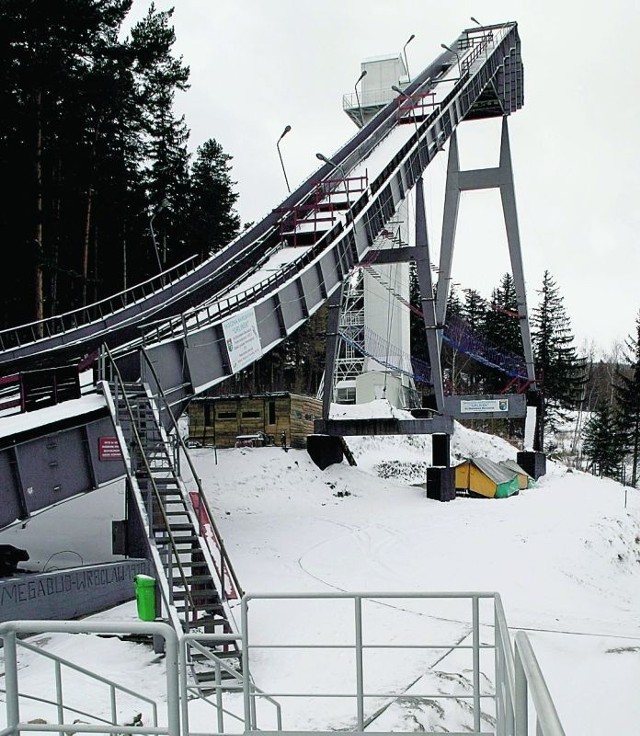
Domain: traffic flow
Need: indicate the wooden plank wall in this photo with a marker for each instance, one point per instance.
(218, 421)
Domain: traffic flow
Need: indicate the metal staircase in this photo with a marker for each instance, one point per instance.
(181, 539)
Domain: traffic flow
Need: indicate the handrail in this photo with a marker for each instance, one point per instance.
(154, 487)
(206, 314)
(113, 686)
(12, 630)
(195, 641)
(528, 677)
(226, 560)
(60, 323)
(515, 676)
(516, 672)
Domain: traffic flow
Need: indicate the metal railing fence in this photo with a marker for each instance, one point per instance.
(464, 635)
(10, 634)
(518, 701)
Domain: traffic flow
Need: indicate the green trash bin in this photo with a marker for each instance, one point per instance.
(145, 597)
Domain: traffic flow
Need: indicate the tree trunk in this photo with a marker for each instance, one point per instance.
(39, 304)
(85, 245)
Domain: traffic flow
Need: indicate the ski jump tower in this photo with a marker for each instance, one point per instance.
(374, 358)
(370, 317)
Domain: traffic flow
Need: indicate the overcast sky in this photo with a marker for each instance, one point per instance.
(258, 65)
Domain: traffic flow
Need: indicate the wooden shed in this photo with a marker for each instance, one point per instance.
(480, 476)
(219, 420)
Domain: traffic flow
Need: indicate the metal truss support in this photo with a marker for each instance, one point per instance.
(333, 323)
(427, 298)
(490, 178)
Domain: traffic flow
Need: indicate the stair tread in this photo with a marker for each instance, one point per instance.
(199, 602)
(193, 578)
(181, 542)
(208, 618)
(230, 654)
(225, 678)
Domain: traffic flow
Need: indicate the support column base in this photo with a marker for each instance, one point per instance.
(325, 449)
(535, 463)
(441, 484)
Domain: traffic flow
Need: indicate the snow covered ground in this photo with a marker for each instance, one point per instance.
(564, 555)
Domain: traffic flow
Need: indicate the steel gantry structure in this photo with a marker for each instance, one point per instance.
(173, 332)
(156, 346)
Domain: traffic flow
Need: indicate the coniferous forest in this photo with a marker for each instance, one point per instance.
(102, 192)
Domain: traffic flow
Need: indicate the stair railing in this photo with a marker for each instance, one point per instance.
(203, 512)
(166, 592)
(12, 630)
(196, 641)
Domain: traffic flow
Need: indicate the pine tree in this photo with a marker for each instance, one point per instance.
(48, 134)
(474, 309)
(561, 371)
(159, 75)
(502, 328)
(213, 222)
(501, 323)
(453, 360)
(601, 441)
(627, 393)
(93, 150)
(473, 312)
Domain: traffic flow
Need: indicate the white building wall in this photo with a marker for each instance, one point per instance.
(387, 337)
(386, 317)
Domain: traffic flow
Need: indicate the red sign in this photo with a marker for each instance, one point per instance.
(109, 449)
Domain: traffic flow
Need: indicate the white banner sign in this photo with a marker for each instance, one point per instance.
(242, 339)
(477, 406)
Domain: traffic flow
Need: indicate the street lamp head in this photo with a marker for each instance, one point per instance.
(404, 51)
(325, 159)
(477, 22)
(363, 74)
(284, 132)
(456, 54)
(397, 89)
(162, 206)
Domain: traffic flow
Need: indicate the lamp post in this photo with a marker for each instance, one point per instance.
(284, 132)
(448, 48)
(404, 52)
(485, 36)
(397, 89)
(163, 205)
(342, 171)
(363, 74)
